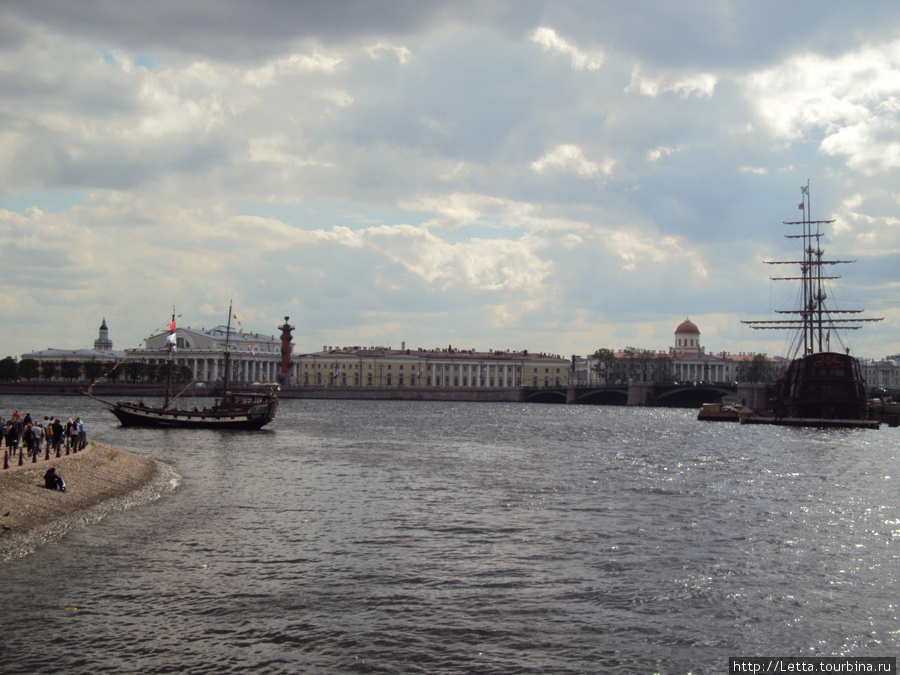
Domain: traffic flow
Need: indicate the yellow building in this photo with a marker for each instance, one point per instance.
(386, 367)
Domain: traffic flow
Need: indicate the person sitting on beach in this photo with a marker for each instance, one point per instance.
(52, 481)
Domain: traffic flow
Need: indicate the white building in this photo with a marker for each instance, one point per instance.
(884, 373)
(102, 351)
(691, 363)
(689, 360)
(254, 357)
(429, 368)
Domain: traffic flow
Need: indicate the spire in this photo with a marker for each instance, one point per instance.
(103, 343)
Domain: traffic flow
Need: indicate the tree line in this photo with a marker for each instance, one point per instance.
(644, 365)
(77, 371)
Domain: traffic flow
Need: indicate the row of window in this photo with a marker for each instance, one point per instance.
(388, 381)
(427, 368)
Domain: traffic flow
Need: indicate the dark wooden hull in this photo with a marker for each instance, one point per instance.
(824, 385)
(249, 416)
(823, 389)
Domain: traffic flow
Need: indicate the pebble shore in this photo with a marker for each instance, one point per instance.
(99, 480)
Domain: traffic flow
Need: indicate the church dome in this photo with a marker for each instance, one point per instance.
(687, 326)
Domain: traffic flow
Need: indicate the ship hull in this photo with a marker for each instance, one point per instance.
(823, 385)
(824, 390)
(248, 417)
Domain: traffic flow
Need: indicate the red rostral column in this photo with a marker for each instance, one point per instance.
(284, 377)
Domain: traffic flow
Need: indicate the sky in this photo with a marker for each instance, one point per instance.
(554, 176)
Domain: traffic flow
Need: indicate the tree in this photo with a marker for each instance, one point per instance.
(93, 369)
(662, 368)
(70, 370)
(49, 369)
(760, 369)
(604, 362)
(632, 367)
(29, 368)
(9, 369)
(135, 371)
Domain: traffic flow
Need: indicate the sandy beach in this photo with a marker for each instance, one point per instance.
(99, 480)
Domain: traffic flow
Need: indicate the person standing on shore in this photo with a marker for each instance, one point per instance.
(82, 436)
(70, 435)
(28, 437)
(12, 438)
(48, 431)
(19, 427)
(37, 433)
(57, 435)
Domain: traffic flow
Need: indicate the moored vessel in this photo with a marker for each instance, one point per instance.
(821, 387)
(248, 408)
(719, 412)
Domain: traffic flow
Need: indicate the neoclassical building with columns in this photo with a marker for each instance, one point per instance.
(450, 367)
(253, 357)
(691, 362)
(257, 358)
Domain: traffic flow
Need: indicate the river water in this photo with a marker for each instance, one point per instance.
(434, 537)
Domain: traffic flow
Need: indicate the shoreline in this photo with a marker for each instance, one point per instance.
(99, 480)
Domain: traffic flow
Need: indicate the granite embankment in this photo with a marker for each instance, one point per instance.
(99, 480)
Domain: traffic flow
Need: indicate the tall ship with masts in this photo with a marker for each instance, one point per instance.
(820, 387)
(249, 408)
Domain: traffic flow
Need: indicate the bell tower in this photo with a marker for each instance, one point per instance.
(103, 343)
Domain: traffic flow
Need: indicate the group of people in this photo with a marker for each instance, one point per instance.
(22, 433)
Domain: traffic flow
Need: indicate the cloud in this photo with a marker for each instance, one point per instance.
(434, 170)
(849, 103)
(402, 53)
(548, 39)
(570, 159)
(685, 85)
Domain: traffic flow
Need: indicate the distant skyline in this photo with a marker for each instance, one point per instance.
(550, 176)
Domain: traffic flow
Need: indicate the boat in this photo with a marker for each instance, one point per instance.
(247, 408)
(821, 387)
(719, 412)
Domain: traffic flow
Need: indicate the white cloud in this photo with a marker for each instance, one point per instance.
(635, 249)
(548, 39)
(850, 103)
(269, 74)
(656, 154)
(485, 264)
(570, 159)
(402, 53)
(685, 85)
(411, 173)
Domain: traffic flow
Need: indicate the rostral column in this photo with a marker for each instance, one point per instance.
(284, 377)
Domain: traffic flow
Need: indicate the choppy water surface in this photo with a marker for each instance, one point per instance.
(389, 537)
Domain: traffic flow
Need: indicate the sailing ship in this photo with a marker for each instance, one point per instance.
(235, 409)
(820, 387)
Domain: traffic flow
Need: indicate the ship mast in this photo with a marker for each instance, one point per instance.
(813, 320)
(227, 352)
(170, 346)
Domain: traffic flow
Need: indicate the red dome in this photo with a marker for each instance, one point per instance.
(687, 326)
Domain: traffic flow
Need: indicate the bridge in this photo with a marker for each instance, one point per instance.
(682, 395)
